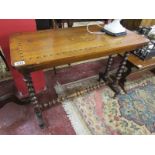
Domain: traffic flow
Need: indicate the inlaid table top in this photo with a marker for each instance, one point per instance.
(41, 49)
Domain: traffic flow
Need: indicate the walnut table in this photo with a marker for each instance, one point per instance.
(31, 51)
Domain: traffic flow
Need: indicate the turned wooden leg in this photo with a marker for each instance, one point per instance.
(122, 67)
(125, 75)
(119, 74)
(54, 69)
(105, 75)
(34, 100)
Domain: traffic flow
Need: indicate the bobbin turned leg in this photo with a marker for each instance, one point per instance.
(125, 75)
(119, 74)
(34, 100)
(104, 76)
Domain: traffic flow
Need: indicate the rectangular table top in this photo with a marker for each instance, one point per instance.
(47, 48)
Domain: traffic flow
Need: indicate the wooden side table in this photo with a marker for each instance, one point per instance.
(33, 51)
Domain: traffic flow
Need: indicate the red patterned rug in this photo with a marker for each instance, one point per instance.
(98, 113)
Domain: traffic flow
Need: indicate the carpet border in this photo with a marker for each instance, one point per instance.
(76, 120)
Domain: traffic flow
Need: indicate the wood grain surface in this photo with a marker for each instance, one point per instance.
(42, 49)
(141, 64)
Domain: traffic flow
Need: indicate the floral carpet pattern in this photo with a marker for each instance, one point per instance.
(139, 106)
(131, 113)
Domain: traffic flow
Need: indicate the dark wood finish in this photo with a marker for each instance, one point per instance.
(131, 24)
(122, 67)
(119, 74)
(34, 100)
(50, 48)
(138, 65)
(105, 75)
(114, 80)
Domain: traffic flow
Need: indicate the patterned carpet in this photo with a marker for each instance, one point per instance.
(98, 113)
(4, 74)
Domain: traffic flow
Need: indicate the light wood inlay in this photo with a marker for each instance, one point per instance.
(48, 48)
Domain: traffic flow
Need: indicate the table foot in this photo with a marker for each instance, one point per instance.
(121, 84)
(40, 119)
(114, 88)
